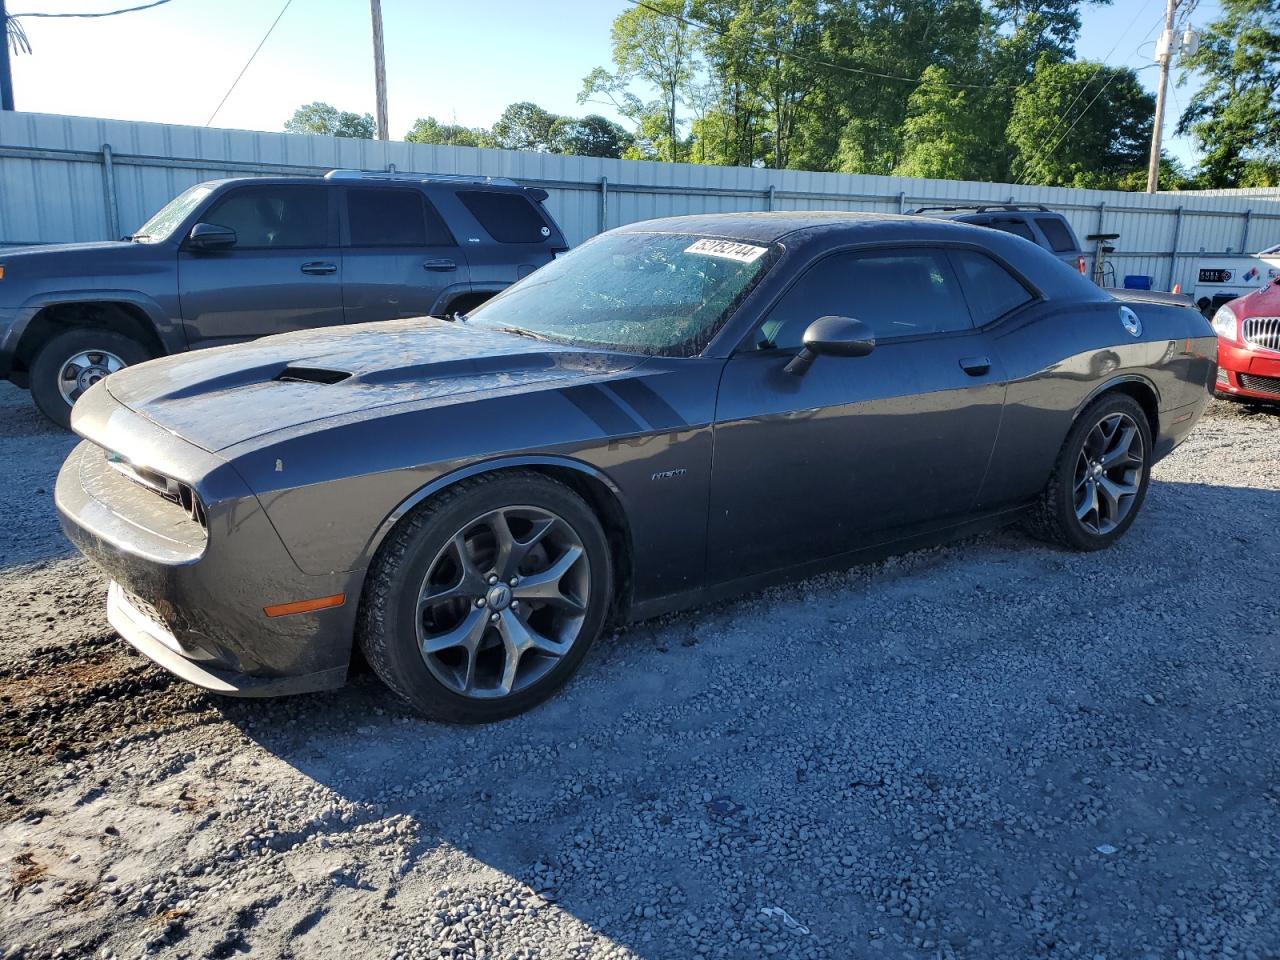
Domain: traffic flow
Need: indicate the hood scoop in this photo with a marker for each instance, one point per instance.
(310, 375)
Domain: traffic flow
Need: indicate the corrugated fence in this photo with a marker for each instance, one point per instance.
(73, 178)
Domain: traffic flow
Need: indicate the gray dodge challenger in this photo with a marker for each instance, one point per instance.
(676, 411)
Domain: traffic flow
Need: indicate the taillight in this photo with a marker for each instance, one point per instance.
(1082, 266)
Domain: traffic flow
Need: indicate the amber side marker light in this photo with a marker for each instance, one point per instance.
(1, 271)
(305, 606)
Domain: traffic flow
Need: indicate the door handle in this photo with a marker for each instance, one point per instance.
(440, 266)
(317, 268)
(976, 366)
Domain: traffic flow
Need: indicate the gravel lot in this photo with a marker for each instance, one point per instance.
(992, 749)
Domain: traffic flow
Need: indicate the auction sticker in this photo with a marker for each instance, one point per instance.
(728, 249)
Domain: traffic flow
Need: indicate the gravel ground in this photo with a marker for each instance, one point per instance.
(992, 749)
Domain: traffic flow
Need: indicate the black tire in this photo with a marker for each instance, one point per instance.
(386, 629)
(1054, 517)
(53, 357)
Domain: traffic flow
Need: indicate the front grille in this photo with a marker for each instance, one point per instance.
(1251, 381)
(1262, 332)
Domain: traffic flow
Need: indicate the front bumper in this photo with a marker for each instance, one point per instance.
(1248, 373)
(190, 599)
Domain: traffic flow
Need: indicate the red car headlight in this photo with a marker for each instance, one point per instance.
(1226, 325)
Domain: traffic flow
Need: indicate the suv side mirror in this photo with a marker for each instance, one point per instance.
(832, 336)
(210, 236)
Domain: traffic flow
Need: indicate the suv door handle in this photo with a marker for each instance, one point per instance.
(976, 366)
(317, 267)
(440, 266)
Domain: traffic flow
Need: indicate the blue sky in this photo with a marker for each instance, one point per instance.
(456, 61)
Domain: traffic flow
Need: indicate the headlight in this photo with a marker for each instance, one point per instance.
(1225, 324)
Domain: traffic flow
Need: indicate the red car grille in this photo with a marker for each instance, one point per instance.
(1262, 332)
(1258, 384)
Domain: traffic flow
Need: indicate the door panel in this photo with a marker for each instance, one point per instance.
(400, 259)
(284, 273)
(841, 458)
(857, 451)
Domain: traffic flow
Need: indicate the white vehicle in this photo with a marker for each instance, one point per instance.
(1223, 278)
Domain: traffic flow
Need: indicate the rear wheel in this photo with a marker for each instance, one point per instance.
(485, 601)
(1100, 479)
(73, 361)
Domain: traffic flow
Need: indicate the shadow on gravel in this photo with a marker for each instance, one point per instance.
(990, 749)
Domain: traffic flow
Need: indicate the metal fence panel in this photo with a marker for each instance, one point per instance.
(75, 178)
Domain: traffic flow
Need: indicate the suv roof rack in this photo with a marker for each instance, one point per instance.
(984, 208)
(418, 177)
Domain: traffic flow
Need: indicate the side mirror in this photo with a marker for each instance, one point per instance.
(832, 336)
(210, 236)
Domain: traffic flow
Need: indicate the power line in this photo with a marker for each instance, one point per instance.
(104, 13)
(1080, 93)
(249, 63)
(778, 51)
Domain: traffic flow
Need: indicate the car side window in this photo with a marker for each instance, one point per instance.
(1056, 232)
(1018, 228)
(992, 291)
(394, 218)
(897, 293)
(275, 217)
(508, 217)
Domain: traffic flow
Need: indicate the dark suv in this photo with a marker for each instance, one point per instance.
(230, 260)
(1042, 226)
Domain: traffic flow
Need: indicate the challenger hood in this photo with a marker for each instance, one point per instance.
(219, 397)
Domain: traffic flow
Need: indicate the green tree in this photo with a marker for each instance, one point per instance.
(941, 137)
(524, 126)
(431, 130)
(589, 136)
(322, 118)
(1063, 138)
(1235, 115)
(652, 44)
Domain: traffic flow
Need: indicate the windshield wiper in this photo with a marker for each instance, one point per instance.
(521, 332)
(137, 236)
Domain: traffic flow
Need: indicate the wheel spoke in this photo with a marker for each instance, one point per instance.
(1121, 451)
(466, 634)
(545, 585)
(511, 551)
(524, 638)
(1089, 501)
(1112, 493)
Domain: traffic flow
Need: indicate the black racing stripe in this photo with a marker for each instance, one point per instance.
(602, 409)
(644, 400)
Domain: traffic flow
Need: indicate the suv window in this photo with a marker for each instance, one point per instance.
(1018, 228)
(277, 216)
(394, 218)
(509, 217)
(992, 291)
(1056, 232)
(897, 293)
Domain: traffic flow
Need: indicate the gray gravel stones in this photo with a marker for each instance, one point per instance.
(987, 750)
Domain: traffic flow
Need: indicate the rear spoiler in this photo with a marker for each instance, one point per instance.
(1151, 296)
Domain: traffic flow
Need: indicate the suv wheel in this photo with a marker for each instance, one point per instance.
(485, 601)
(73, 361)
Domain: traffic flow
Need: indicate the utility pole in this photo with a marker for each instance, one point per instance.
(380, 69)
(6, 78)
(1164, 56)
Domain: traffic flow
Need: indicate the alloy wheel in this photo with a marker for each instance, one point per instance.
(503, 602)
(83, 370)
(1108, 473)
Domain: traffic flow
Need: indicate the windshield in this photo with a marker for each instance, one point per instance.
(653, 293)
(171, 214)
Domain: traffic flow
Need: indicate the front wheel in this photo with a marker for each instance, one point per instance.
(485, 600)
(1100, 479)
(73, 361)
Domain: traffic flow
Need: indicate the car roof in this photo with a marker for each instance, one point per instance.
(804, 232)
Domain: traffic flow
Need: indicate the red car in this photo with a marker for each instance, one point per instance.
(1248, 330)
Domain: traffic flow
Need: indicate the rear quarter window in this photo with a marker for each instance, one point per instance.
(1057, 233)
(1019, 228)
(991, 290)
(508, 217)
